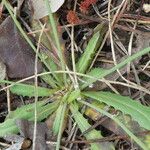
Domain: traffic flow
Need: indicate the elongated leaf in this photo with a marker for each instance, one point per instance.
(46, 55)
(54, 30)
(120, 65)
(84, 125)
(73, 95)
(49, 80)
(85, 60)
(29, 90)
(44, 111)
(25, 112)
(94, 74)
(126, 105)
(136, 139)
(58, 117)
(54, 67)
(60, 125)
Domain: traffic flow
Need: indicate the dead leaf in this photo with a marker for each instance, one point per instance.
(126, 120)
(14, 138)
(19, 142)
(40, 9)
(43, 133)
(15, 52)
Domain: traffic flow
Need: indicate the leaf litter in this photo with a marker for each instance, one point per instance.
(15, 52)
(24, 140)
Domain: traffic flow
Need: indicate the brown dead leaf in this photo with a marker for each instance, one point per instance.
(24, 140)
(18, 141)
(43, 133)
(15, 52)
(126, 120)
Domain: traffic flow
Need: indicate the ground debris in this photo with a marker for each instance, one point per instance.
(15, 52)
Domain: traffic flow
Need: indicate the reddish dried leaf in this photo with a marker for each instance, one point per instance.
(85, 4)
(15, 52)
(72, 17)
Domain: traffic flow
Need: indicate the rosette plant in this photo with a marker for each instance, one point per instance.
(68, 90)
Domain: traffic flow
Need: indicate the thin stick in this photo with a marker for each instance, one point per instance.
(76, 86)
(111, 37)
(132, 85)
(8, 100)
(36, 89)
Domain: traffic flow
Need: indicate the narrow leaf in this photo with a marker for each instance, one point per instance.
(118, 66)
(126, 105)
(94, 74)
(84, 125)
(58, 117)
(50, 51)
(73, 95)
(61, 123)
(25, 112)
(136, 139)
(85, 60)
(49, 80)
(54, 67)
(56, 39)
(29, 90)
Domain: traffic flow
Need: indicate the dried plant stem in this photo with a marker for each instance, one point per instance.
(36, 89)
(8, 100)
(76, 86)
(132, 85)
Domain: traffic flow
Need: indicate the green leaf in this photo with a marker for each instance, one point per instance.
(56, 124)
(26, 112)
(44, 111)
(60, 125)
(85, 60)
(54, 67)
(87, 56)
(29, 90)
(36, 25)
(49, 80)
(73, 95)
(95, 74)
(118, 66)
(146, 140)
(136, 139)
(84, 125)
(56, 39)
(137, 111)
